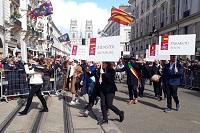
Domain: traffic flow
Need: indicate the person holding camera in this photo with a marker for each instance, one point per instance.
(36, 85)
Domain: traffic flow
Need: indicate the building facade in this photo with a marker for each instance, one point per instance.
(115, 29)
(77, 38)
(17, 27)
(163, 17)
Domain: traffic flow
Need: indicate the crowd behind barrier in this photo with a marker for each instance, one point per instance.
(15, 84)
(191, 79)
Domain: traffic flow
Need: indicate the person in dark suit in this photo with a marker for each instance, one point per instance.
(133, 81)
(156, 69)
(171, 78)
(107, 92)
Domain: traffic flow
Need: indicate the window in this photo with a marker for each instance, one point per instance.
(154, 19)
(155, 1)
(163, 15)
(141, 27)
(172, 10)
(147, 23)
(186, 4)
(142, 7)
(88, 35)
(129, 35)
(186, 30)
(147, 46)
(148, 4)
(186, 8)
(137, 12)
(73, 35)
(136, 30)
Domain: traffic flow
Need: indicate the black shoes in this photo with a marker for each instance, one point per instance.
(23, 112)
(121, 116)
(102, 122)
(44, 110)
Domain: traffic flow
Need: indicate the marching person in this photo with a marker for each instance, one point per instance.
(95, 92)
(133, 80)
(36, 85)
(156, 69)
(107, 93)
(171, 78)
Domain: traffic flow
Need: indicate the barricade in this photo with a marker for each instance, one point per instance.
(191, 79)
(59, 77)
(15, 83)
(195, 79)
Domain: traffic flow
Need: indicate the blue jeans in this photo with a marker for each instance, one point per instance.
(90, 87)
(132, 89)
(142, 84)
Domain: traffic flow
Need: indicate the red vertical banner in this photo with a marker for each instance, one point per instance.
(164, 42)
(153, 50)
(92, 47)
(74, 49)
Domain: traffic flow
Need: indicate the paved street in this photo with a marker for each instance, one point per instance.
(145, 117)
(148, 117)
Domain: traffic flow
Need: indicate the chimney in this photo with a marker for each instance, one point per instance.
(123, 7)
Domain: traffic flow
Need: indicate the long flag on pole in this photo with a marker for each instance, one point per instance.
(120, 16)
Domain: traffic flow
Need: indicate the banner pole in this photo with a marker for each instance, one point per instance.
(100, 74)
(175, 60)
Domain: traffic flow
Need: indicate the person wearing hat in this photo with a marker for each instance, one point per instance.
(133, 80)
(36, 85)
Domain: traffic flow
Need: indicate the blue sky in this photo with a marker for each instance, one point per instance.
(104, 3)
(98, 11)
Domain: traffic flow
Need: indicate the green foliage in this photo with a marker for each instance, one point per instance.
(15, 14)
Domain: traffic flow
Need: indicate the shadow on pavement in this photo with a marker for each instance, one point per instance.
(150, 104)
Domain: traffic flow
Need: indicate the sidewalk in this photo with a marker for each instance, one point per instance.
(89, 125)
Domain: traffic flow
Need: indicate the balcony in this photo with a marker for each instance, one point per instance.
(13, 40)
(16, 22)
(16, 2)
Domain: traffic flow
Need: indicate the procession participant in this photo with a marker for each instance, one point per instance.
(172, 73)
(133, 80)
(90, 81)
(157, 83)
(36, 85)
(107, 93)
(96, 91)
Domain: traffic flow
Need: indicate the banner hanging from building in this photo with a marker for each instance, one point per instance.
(107, 49)
(177, 44)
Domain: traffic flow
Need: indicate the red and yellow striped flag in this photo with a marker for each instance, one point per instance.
(120, 16)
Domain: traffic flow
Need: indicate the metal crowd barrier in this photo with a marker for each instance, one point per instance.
(191, 79)
(15, 83)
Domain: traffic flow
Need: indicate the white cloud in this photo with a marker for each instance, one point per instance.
(65, 11)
